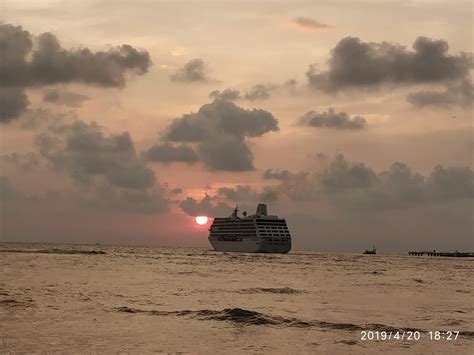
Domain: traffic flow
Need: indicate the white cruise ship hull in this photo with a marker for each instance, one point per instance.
(258, 233)
(251, 245)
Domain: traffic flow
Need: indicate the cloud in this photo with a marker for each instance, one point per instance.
(276, 174)
(193, 71)
(352, 185)
(309, 24)
(167, 153)
(332, 119)
(96, 198)
(239, 193)
(227, 153)
(84, 152)
(342, 175)
(177, 190)
(255, 93)
(28, 61)
(354, 63)
(259, 92)
(226, 94)
(269, 194)
(243, 195)
(40, 119)
(451, 182)
(223, 118)
(26, 162)
(456, 94)
(13, 102)
(107, 198)
(206, 207)
(66, 98)
(221, 129)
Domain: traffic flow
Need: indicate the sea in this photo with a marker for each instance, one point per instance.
(64, 298)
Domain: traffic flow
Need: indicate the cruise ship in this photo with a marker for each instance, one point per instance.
(258, 233)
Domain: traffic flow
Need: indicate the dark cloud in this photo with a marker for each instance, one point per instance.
(354, 185)
(206, 207)
(354, 63)
(221, 129)
(47, 62)
(13, 102)
(259, 92)
(107, 198)
(28, 61)
(168, 153)
(395, 188)
(455, 94)
(332, 119)
(66, 98)
(244, 193)
(276, 174)
(6, 188)
(269, 194)
(342, 175)
(321, 156)
(96, 198)
(84, 152)
(309, 24)
(451, 182)
(177, 190)
(255, 93)
(193, 71)
(40, 118)
(15, 46)
(239, 193)
(226, 94)
(226, 152)
(26, 162)
(221, 117)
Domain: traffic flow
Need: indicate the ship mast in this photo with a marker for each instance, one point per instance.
(236, 210)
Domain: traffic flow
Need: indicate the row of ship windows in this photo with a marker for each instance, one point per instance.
(232, 228)
(271, 241)
(274, 235)
(241, 225)
(248, 230)
(239, 234)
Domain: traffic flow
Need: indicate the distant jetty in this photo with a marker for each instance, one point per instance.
(452, 254)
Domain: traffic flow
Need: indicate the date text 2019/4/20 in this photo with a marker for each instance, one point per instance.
(409, 335)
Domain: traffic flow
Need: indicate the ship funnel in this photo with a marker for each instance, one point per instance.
(261, 209)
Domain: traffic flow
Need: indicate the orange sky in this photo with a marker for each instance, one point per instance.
(243, 44)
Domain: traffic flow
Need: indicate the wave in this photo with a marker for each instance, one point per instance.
(11, 302)
(248, 317)
(281, 290)
(347, 342)
(54, 251)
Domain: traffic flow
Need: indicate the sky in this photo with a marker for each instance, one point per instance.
(122, 120)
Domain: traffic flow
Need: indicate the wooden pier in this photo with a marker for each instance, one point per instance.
(453, 254)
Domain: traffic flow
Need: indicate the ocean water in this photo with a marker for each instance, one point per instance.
(109, 299)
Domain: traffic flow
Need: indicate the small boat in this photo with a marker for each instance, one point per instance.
(371, 252)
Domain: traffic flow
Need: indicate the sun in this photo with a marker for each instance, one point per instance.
(201, 220)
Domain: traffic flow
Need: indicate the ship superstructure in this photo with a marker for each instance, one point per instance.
(258, 233)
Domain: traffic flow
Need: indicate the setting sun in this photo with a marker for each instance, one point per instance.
(201, 220)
